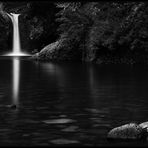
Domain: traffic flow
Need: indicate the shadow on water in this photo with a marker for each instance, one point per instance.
(69, 103)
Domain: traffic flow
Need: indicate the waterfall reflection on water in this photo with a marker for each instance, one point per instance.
(16, 77)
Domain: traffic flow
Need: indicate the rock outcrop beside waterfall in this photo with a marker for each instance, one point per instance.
(59, 50)
(48, 52)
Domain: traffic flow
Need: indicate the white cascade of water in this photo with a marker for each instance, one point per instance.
(16, 36)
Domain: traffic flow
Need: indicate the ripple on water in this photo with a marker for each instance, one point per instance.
(5, 130)
(96, 111)
(59, 121)
(63, 116)
(2, 95)
(102, 125)
(64, 141)
(29, 121)
(70, 129)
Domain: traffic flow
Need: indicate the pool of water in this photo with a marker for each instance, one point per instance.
(69, 103)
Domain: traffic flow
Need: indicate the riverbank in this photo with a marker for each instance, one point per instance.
(59, 51)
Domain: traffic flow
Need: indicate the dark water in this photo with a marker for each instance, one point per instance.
(70, 103)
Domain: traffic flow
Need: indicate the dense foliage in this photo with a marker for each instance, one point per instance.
(105, 28)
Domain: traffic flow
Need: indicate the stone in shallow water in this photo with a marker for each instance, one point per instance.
(59, 121)
(127, 131)
(12, 106)
(64, 141)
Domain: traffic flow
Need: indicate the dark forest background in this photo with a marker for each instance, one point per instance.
(99, 32)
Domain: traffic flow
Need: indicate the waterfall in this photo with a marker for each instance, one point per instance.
(16, 36)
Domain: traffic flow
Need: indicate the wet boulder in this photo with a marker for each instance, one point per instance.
(144, 125)
(127, 131)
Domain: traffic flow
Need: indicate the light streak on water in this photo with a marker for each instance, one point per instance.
(16, 78)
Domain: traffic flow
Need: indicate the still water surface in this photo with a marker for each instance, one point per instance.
(72, 104)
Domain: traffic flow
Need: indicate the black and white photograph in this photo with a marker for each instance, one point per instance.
(73, 73)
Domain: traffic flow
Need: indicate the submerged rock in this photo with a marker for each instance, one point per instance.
(12, 106)
(127, 131)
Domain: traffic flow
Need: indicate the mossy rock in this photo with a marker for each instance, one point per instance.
(127, 131)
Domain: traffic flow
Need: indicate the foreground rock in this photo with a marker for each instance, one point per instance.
(144, 125)
(127, 131)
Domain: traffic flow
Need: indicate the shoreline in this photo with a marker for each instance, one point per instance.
(102, 60)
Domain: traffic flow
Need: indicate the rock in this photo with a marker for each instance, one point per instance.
(12, 106)
(61, 50)
(48, 52)
(144, 125)
(127, 131)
